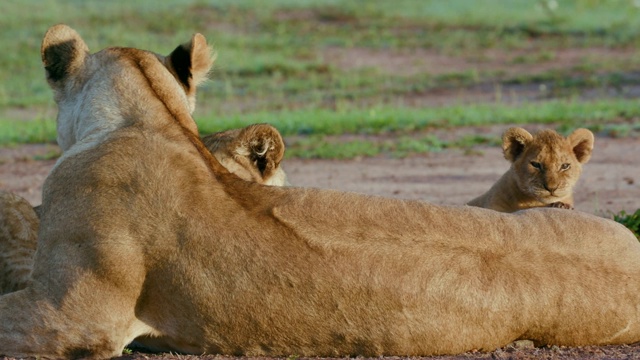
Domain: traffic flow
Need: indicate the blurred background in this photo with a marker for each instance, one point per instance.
(354, 78)
(392, 82)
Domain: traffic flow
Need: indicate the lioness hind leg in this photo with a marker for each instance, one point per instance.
(18, 240)
(35, 322)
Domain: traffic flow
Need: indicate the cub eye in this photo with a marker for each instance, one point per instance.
(565, 166)
(536, 165)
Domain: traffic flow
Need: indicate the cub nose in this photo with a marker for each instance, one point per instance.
(551, 189)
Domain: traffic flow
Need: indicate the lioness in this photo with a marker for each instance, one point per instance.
(253, 153)
(544, 170)
(145, 235)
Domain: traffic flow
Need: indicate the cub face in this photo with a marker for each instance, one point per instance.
(547, 165)
(252, 153)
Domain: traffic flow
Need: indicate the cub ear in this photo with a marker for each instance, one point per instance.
(63, 52)
(190, 62)
(581, 141)
(263, 145)
(514, 141)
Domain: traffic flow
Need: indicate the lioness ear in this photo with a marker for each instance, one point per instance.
(263, 145)
(581, 141)
(514, 140)
(190, 62)
(63, 52)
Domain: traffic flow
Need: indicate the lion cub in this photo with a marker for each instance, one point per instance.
(252, 153)
(18, 239)
(544, 170)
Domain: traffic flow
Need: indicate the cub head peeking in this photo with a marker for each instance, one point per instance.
(253, 153)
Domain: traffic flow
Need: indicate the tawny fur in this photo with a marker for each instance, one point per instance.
(145, 235)
(18, 239)
(545, 168)
(252, 153)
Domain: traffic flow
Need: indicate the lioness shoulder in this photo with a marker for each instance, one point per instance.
(253, 153)
(544, 170)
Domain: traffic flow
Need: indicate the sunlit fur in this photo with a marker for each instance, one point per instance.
(252, 153)
(18, 238)
(144, 235)
(544, 170)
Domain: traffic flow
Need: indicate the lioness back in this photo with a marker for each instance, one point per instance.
(544, 170)
(252, 153)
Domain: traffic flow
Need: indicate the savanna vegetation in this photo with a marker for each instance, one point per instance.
(342, 79)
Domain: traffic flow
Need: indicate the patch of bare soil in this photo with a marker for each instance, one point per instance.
(514, 351)
(22, 173)
(610, 181)
(502, 64)
(409, 62)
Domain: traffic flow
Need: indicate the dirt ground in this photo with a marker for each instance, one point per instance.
(610, 181)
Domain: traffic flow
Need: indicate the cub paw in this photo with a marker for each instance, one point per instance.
(560, 205)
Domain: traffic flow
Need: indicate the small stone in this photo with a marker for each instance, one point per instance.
(523, 344)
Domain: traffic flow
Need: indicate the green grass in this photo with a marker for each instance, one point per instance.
(322, 147)
(34, 131)
(631, 221)
(616, 116)
(281, 42)
(273, 64)
(276, 64)
(568, 114)
(608, 117)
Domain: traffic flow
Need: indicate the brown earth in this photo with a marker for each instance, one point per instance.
(508, 63)
(610, 181)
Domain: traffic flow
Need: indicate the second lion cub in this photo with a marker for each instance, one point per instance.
(544, 169)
